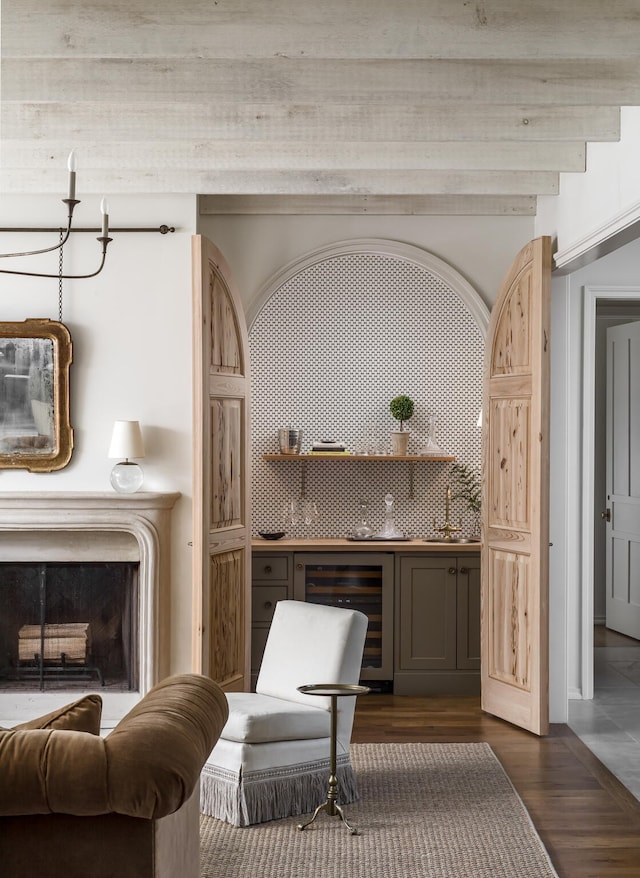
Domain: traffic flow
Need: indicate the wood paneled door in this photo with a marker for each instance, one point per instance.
(221, 515)
(515, 507)
(622, 514)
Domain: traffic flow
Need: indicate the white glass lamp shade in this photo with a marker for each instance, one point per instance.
(126, 442)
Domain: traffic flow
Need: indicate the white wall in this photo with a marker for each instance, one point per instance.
(592, 211)
(256, 247)
(618, 269)
(592, 206)
(131, 334)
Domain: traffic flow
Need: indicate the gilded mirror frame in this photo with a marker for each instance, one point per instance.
(35, 430)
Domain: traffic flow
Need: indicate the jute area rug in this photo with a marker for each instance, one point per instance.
(425, 811)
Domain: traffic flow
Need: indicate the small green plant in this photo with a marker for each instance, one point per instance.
(467, 486)
(401, 408)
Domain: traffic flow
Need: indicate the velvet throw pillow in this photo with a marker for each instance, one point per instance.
(82, 715)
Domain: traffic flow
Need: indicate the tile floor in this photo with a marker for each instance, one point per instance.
(610, 724)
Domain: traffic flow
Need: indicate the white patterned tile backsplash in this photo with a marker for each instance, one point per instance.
(329, 350)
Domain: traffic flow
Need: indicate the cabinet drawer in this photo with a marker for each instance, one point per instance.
(264, 600)
(268, 567)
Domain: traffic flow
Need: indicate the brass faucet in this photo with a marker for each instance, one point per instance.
(447, 528)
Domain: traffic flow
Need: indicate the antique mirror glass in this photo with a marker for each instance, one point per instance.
(35, 433)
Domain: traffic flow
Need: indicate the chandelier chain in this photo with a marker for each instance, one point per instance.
(60, 267)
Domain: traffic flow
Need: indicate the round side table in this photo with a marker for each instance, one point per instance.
(334, 691)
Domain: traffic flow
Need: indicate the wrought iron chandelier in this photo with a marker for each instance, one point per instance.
(71, 201)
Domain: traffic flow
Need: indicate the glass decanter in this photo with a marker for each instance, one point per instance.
(363, 531)
(389, 530)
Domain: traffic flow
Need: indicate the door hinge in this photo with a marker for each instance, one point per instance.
(606, 515)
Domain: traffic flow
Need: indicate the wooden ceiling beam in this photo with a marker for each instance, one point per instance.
(219, 120)
(615, 81)
(331, 29)
(249, 182)
(373, 205)
(273, 156)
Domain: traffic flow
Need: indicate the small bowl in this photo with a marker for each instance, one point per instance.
(271, 534)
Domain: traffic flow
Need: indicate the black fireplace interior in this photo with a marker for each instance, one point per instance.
(69, 625)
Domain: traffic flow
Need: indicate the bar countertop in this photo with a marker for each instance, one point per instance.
(325, 544)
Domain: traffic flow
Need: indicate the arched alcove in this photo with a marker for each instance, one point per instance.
(334, 337)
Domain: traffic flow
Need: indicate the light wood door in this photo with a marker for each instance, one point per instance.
(515, 507)
(221, 519)
(623, 479)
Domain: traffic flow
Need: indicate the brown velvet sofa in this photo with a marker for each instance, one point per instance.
(77, 805)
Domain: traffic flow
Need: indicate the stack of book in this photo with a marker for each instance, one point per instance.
(326, 446)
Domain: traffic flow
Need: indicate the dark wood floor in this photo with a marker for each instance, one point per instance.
(588, 821)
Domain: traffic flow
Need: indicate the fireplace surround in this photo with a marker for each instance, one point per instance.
(94, 527)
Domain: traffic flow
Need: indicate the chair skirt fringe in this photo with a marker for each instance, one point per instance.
(243, 798)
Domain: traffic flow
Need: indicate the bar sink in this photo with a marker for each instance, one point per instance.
(444, 541)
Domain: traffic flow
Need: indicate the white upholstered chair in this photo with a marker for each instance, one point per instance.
(272, 757)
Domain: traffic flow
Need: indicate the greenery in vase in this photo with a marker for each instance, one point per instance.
(401, 408)
(467, 486)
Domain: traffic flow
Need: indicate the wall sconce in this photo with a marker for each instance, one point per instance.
(126, 442)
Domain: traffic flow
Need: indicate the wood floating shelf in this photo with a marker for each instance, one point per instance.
(326, 455)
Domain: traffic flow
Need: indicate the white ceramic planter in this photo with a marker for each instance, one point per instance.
(399, 442)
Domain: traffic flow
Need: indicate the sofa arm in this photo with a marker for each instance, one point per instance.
(156, 753)
(147, 767)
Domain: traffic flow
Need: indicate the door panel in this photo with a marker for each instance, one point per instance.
(221, 515)
(227, 475)
(515, 507)
(623, 479)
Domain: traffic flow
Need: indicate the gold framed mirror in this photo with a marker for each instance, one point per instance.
(35, 432)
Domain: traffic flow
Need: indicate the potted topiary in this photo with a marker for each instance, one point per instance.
(401, 408)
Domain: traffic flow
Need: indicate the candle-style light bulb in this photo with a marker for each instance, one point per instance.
(71, 165)
(104, 208)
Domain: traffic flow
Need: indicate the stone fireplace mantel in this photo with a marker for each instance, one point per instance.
(96, 526)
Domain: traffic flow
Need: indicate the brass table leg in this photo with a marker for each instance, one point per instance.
(331, 804)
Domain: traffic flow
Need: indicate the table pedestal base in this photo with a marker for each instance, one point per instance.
(331, 807)
(334, 691)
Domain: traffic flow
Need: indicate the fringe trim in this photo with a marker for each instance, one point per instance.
(270, 795)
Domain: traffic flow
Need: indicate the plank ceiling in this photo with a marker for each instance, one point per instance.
(314, 106)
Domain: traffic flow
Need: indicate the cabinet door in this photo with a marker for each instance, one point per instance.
(468, 612)
(427, 613)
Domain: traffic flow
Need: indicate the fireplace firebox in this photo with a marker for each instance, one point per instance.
(66, 623)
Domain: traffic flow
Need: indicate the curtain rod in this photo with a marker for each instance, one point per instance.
(162, 229)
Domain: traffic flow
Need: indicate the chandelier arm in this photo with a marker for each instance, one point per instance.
(105, 243)
(71, 202)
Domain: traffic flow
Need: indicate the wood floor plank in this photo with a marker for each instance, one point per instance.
(588, 821)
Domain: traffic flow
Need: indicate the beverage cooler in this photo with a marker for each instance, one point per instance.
(356, 581)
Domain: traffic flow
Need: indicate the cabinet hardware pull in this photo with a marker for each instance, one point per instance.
(464, 570)
(267, 569)
(268, 605)
(299, 566)
(452, 570)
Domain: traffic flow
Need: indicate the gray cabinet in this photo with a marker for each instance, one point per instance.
(423, 609)
(437, 609)
(271, 581)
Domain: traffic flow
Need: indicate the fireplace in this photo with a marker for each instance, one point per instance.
(69, 625)
(84, 599)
